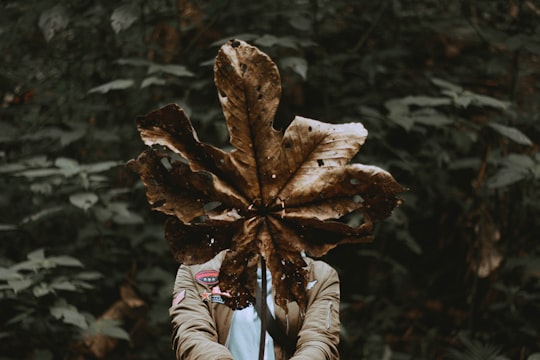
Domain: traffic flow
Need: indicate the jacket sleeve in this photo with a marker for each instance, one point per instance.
(194, 331)
(318, 337)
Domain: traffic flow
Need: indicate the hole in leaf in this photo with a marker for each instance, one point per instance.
(358, 199)
(354, 181)
(199, 219)
(166, 163)
(209, 206)
(354, 219)
(288, 145)
(235, 44)
(320, 162)
(310, 129)
(159, 203)
(243, 67)
(222, 94)
(174, 157)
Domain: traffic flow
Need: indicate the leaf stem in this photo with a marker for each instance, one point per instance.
(262, 307)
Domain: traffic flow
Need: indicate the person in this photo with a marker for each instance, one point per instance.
(205, 328)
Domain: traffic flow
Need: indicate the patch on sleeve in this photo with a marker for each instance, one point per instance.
(205, 295)
(217, 291)
(179, 297)
(215, 296)
(207, 277)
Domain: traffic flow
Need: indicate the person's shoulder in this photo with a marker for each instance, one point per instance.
(320, 268)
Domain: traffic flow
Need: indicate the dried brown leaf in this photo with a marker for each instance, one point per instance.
(275, 195)
(100, 345)
(488, 257)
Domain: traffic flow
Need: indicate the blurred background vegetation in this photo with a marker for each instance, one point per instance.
(448, 90)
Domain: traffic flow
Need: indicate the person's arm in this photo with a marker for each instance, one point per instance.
(319, 336)
(194, 332)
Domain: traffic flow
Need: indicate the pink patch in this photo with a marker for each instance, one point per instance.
(179, 297)
(217, 291)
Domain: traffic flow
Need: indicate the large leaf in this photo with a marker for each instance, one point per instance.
(123, 17)
(53, 21)
(274, 195)
(118, 84)
(68, 314)
(108, 327)
(511, 133)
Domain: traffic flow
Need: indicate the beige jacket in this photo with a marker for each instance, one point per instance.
(201, 327)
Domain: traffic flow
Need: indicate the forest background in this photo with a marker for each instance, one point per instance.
(448, 90)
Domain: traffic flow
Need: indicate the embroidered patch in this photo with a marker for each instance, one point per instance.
(207, 277)
(217, 291)
(179, 297)
(217, 299)
(215, 295)
(206, 295)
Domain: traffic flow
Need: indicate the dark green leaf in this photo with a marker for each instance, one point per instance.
(134, 62)
(41, 214)
(41, 290)
(38, 254)
(152, 80)
(38, 173)
(119, 213)
(430, 117)
(108, 327)
(17, 285)
(443, 84)
(9, 274)
(426, 101)
(66, 137)
(119, 84)
(68, 314)
(100, 167)
(483, 100)
(520, 161)
(63, 284)
(65, 260)
(53, 21)
(83, 200)
(89, 275)
(505, 177)
(465, 163)
(297, 64)
(8, 227)
(123, 17)
(176, 70)
(511, 133)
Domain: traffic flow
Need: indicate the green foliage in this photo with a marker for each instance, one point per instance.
(475, 350)
(447, 90)
(38, 288)
(108, 327)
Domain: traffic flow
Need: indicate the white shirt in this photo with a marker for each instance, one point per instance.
(245, 331)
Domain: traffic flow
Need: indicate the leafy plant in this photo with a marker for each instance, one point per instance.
(38, 288)
(462, 75)
(475, 350)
